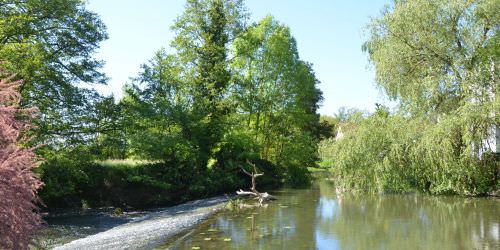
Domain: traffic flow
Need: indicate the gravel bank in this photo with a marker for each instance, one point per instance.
(152, 230)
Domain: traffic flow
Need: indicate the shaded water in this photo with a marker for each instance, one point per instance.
(317, 218)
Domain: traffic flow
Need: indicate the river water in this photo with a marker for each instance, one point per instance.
(318, 218)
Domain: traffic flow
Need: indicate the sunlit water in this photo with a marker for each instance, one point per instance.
(318, 218)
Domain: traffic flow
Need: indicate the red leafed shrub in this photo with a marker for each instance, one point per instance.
(18, 184)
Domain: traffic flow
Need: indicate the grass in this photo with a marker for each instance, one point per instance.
(314, 170)
(326, 163)
(124, 162)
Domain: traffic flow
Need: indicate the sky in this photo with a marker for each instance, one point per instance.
(329, 35)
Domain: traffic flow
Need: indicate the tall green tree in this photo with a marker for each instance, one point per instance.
(158, 110)
(204, 32)
(276, 94)
(50, 43)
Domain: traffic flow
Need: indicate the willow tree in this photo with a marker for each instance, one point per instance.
(437, 56)
(439, 60)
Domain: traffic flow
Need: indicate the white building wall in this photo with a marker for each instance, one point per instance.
(497, 141)
(492, 143)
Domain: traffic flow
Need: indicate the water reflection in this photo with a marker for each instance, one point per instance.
(317, 218)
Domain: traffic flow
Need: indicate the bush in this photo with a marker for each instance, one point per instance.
(128, 184)
(399, 154)
(18, 184)
(64, 181)
(74, 181)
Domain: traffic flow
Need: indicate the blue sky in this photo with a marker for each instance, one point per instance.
(329, 34)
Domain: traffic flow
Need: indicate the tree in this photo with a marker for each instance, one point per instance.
(18, 184)
(276, 94)
(328, 126)
(261, 197)
(439, 61)
(205, 30)
(228, 94)
(50, 44)
(437, 57)
(158, 109)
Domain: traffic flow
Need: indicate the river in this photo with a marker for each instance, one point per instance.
(318, 218)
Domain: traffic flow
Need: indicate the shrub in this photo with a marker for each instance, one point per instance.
(396, 153)
(18, 184)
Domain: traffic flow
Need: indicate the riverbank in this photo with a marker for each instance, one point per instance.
(152, 229)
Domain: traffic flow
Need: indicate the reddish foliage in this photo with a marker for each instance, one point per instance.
(18, 184)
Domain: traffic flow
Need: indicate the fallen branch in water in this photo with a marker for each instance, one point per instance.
(261, 197)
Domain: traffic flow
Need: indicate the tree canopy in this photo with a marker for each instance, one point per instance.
(230, 92)
(439, 60)
(50, 44)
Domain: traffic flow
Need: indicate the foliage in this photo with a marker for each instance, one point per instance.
(18, 184)
(328, 126)
(439, 61)
(198, 106)
(276, 96)
(437, 57)
(400, 154)
(234, 204)
(63, 176)
(228, 93)
(135, 184)
(96, 185)
(50, 44)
